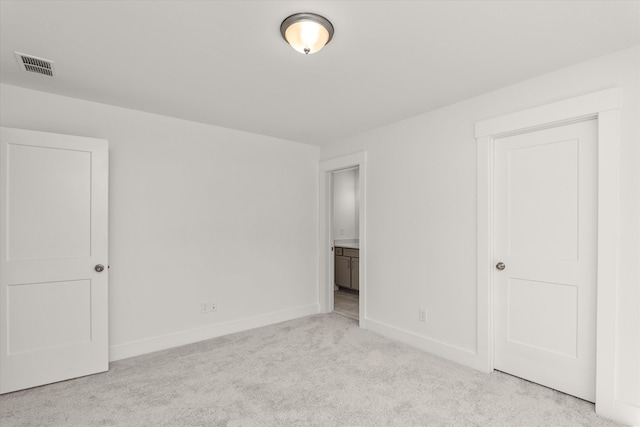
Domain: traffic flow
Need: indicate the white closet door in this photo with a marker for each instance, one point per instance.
(546, 229)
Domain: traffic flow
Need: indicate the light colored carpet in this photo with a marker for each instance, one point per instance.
(346, 303)
(320, 370)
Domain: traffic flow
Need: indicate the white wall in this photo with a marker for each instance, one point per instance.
(197, 213)
(345, 204)
(421, 177)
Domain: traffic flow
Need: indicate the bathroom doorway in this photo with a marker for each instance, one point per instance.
(345, 219)
(326, 279)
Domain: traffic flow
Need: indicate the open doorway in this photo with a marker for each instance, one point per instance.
(357, 266)
(346, 242)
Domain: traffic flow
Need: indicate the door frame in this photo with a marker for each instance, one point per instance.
(325, 291)
(603, 107)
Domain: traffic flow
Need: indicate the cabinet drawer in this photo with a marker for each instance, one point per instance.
(355, 253)
(338, 251)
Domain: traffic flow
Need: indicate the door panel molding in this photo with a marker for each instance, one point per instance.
(603, 106)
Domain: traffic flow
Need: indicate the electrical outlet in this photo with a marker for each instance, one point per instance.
(422, 314)
(207, 307)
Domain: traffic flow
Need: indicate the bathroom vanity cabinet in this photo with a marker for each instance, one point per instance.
(347, 267)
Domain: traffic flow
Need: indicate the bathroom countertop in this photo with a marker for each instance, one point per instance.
(347, 245)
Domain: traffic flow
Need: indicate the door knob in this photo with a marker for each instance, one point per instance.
(99, 268)
(500, 266)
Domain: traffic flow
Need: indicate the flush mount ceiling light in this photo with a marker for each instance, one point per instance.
(306, 32)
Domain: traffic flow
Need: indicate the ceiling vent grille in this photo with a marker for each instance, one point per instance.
(34, 64)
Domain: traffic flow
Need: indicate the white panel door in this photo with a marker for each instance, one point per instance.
(545, 222)
(53, 229)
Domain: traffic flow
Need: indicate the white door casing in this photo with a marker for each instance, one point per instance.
(545, 206)
(603, 106)
(53, 229)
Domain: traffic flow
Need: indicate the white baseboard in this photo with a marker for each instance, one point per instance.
(149, 345)
(456, 354)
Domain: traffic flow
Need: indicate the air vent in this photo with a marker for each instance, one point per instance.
(34, 64)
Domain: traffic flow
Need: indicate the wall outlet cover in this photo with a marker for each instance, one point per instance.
(207, 307)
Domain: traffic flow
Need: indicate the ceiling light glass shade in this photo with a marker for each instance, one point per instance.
(306, 32)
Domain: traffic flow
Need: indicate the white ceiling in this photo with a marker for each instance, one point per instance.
(225, 63)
